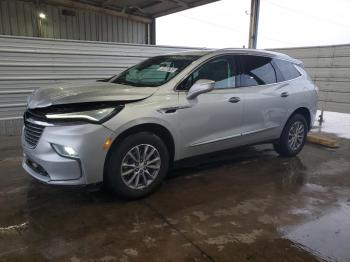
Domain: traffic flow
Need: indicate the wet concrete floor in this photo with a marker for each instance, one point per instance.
(242, 205)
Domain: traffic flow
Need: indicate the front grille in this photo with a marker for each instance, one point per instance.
(32, 133)
(36, 114)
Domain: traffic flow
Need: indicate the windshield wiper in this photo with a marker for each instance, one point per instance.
(137, 84)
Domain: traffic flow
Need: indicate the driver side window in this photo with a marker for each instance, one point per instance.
(220, 70)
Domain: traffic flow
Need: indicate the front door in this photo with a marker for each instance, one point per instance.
(211, 121)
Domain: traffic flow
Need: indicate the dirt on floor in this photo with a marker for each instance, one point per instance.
(240, 205)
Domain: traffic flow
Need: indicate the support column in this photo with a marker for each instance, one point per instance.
(153, 32)
(254, 22)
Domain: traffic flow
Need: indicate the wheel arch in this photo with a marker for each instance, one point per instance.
(304, 111)
(156, 129)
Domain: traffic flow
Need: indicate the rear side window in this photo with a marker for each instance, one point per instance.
(256, 70)
(287, 70)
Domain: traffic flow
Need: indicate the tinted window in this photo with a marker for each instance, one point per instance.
(220, 70)
(287, 69)
(256, 70)
(154, 71)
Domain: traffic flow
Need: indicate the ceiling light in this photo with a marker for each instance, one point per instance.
(42, 16)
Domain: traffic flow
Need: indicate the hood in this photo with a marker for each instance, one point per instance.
(87, 92)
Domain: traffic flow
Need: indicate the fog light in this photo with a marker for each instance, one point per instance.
(65, 151)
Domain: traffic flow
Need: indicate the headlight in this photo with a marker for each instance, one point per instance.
(65, 151)
(95, 116)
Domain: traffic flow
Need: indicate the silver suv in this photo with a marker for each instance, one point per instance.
(127, 130)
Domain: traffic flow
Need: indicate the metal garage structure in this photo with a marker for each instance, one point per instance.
(21, 18)
(124, 21)
(102, 37)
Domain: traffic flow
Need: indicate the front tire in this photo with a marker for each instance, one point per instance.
(137, 165)
(293, 136)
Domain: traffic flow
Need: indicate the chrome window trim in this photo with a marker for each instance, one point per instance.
(187, 75)
(260, 52)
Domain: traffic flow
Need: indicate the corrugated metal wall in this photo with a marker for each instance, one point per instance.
(20, 18)
(29, 63)
(329, 67)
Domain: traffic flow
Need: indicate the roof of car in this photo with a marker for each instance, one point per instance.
(241, 51)
(194, 53)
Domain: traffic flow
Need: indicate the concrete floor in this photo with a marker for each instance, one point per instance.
(243, 205)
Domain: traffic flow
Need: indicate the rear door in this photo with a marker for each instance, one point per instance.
(265, 106)
(297, 93)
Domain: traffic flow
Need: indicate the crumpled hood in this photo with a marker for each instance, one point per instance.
(87, 92)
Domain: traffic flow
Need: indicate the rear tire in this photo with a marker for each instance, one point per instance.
(293, 136)
(137, 165)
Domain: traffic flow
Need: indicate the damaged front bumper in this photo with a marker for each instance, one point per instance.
(44, 163)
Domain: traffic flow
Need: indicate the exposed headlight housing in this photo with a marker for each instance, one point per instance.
(30, 97)
(95, 116)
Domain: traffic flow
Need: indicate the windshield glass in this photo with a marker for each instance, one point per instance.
(154, 71)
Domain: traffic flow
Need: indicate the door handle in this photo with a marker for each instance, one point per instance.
(234, 99)
(284, 94)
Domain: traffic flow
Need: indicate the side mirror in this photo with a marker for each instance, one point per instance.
(201, 86)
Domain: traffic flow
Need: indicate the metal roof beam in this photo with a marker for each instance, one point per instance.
(93, 8)
(178, 2)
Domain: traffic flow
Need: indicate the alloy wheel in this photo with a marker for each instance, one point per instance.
(140, 166)
(296, 135)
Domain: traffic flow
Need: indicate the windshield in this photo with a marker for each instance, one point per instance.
(154, 71)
